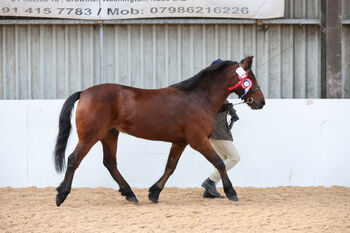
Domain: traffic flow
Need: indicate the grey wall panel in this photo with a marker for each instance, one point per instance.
(55, 61)
(346, 9)
(346, 50)
(173, 61)
(262, 56)
(155, 56)
(313, 65)
(47, 61)
(8, 63)
(346, 61)
(149, 61)
(302, 9)
(160, 56)
(299, 61)
(287, 48)
(274, 61)
(2, 64)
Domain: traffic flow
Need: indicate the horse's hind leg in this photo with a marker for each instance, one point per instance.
(204, 147)
(109, 143)
(73, 162)
(174, 155)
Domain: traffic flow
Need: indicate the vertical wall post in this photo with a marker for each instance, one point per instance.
(101, 80)
(331, 48)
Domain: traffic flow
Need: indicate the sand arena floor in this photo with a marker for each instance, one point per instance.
(283, 209)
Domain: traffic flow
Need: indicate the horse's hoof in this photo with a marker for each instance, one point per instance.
(59, 200)
(153, 198)
(233, 198)
(132, 199)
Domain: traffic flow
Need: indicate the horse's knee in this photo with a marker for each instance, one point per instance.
(109, 163)
(105, 162)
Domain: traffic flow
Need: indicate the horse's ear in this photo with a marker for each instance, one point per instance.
(247, 63)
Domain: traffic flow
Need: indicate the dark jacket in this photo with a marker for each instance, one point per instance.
(222, 129)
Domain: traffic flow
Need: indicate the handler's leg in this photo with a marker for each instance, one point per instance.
(205, 148)
(229, 154)
(174, 155)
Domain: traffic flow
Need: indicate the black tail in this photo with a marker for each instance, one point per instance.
(64, 131)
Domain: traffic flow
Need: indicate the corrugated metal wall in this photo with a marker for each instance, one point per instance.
(52, 61)
(47, 62)
(286, 57)
(346, 50)
(302, 9)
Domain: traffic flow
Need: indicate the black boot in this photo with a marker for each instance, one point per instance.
(209, 186)
(206, 194)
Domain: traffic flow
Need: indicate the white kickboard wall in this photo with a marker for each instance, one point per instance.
(289, 142)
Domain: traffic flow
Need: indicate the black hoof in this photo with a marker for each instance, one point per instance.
(132, 199)
(233, 198)
(154, 192)
(60, 199)
(128, 194)
(153, 198)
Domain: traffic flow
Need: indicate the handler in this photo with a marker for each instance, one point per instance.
(222, 142)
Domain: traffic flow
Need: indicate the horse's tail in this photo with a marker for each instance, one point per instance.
(64, 131)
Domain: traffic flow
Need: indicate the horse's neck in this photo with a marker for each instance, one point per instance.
(215, 92)
(217, 99)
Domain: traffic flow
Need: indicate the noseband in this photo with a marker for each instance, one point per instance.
(251, 99)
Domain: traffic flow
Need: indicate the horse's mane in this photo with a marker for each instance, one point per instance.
(190, 83)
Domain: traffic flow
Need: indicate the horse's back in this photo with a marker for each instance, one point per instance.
(156, 114)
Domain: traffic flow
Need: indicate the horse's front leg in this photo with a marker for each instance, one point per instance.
(204, 147)
(174, 155)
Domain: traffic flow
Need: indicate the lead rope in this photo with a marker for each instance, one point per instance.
(249, 101)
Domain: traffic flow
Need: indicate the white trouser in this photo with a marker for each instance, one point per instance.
(227, 152)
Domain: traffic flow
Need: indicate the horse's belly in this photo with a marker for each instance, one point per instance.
(155, 132)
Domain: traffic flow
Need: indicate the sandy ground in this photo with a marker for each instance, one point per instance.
(283, 209)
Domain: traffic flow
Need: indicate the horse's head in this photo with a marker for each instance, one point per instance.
(245, 85)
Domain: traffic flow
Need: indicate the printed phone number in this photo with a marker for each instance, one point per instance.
(127, 11)
(47, 11)
(199, 10)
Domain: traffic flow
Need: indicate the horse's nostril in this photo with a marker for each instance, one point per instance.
(263, 103)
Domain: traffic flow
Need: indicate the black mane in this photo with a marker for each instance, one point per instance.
(190, 83)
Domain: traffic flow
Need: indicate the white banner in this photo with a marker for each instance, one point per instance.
(128, 9)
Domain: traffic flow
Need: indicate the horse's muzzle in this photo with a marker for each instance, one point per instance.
(256, 104)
